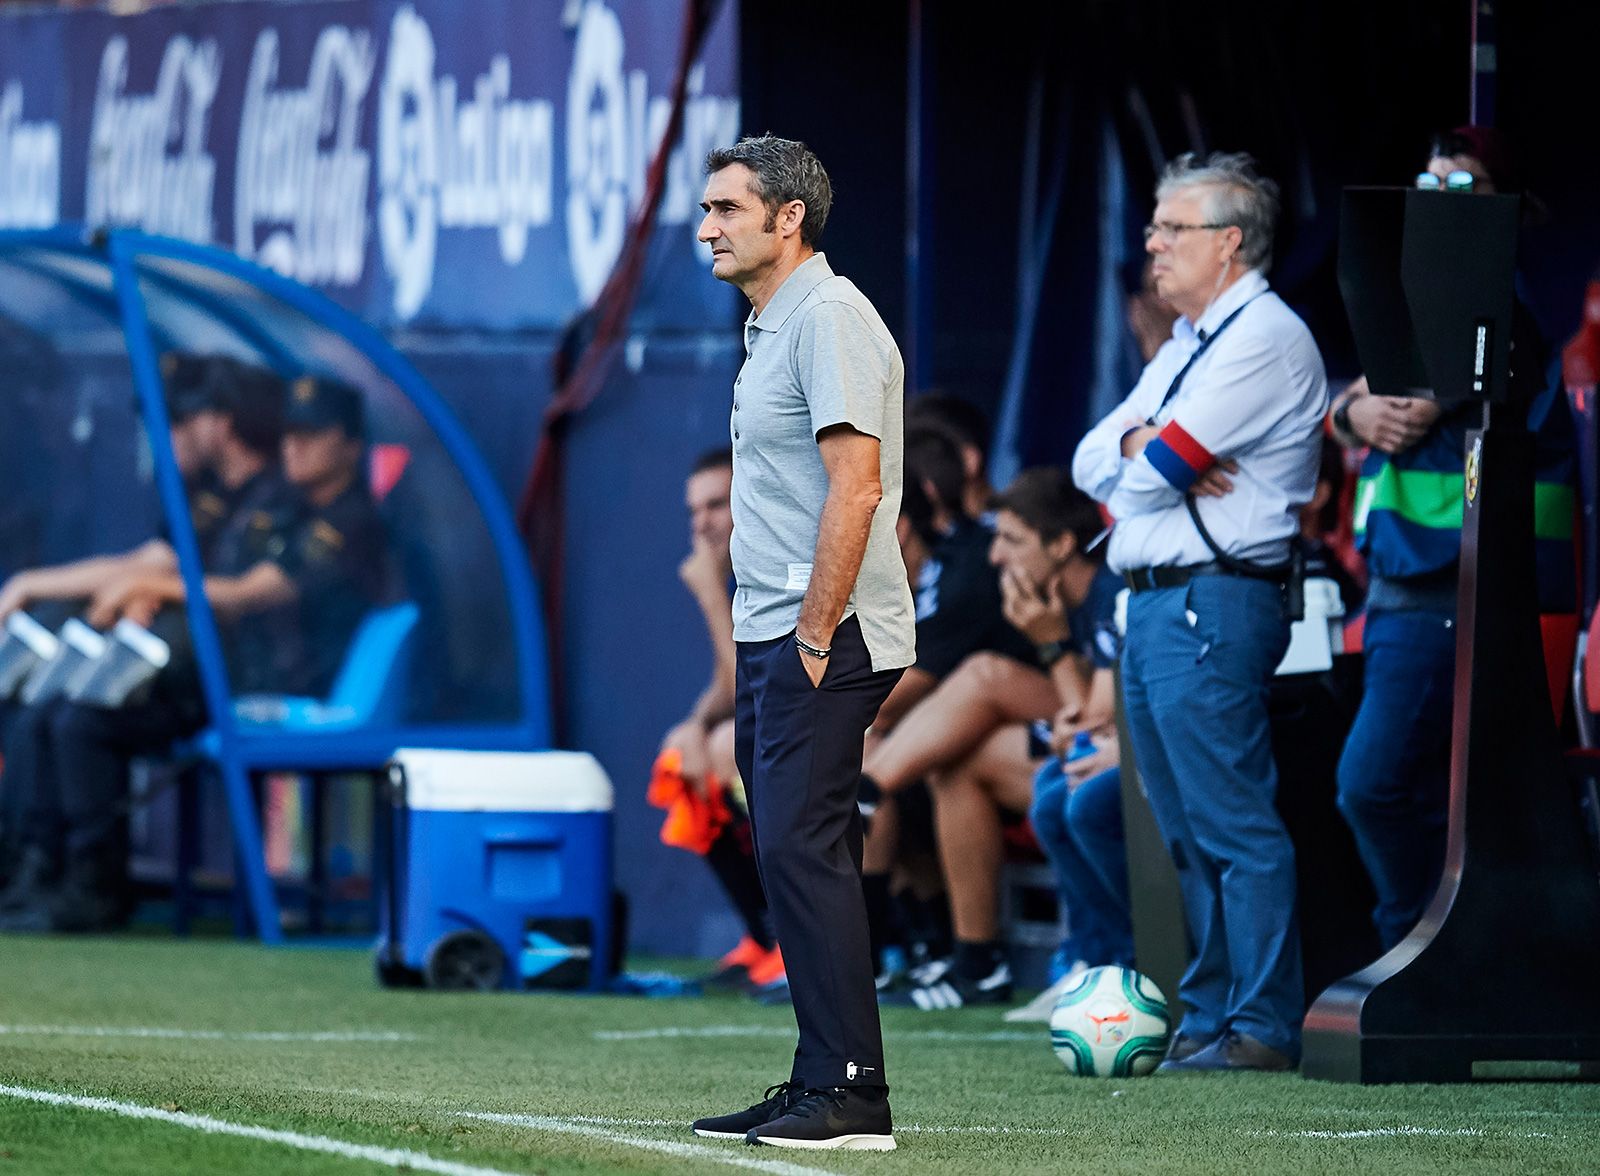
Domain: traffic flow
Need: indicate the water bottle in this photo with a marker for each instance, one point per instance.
(1082, 745)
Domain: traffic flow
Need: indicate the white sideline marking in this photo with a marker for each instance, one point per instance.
(666, 1147)
(195, 1034)
(1392, 1132)
(907, 1128)
(391, 1157)
(776, 1031)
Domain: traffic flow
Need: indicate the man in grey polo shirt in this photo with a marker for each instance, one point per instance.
(822, 615)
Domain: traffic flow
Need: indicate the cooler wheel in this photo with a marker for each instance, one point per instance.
(465, 961)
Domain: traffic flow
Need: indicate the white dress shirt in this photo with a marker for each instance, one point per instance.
(1256, 396)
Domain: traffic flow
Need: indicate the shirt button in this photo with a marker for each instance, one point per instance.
(735, 406)
(736, 434)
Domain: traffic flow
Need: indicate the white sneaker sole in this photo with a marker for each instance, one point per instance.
(839, 1142)
(1041, 1007)
(704, 1134)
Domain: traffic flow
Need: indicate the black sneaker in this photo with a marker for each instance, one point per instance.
(836, 1117)
(953, 991)
(738, 1125)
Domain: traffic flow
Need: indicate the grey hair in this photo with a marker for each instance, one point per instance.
(785, 170)
(1236, 194)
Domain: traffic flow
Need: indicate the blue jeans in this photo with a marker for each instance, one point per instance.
(1394, 775)
(1081, 833)
(1195, 673)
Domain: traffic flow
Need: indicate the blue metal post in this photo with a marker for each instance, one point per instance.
(250, 865)
(919, 200)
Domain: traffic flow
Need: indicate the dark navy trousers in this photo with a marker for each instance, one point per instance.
(798, 748)
(1196, 669)
(1394, 775)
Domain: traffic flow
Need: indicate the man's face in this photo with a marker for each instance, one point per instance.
(1186, 268)
(196, 441)
(708, 495)
(1019, 549)
(312, 457)
(744, 242)
(187, 450)
(1443, 165)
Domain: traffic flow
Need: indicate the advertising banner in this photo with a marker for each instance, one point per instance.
(430, 164)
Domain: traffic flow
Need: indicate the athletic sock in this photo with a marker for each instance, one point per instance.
(974, 961)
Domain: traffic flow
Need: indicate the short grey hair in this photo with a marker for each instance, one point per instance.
(785, 170)
(1236, 194)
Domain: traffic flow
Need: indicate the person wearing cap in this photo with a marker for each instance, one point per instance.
(1394, 773)
(1205, 467)
(227, 456)
(227, 422)
(288, 595)
(328, 570)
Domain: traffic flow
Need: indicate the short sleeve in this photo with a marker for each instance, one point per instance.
(1094, 624)
(965, 600)
(845, 367)
(318, 556)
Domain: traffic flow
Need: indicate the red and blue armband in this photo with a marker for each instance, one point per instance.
(1178, 457)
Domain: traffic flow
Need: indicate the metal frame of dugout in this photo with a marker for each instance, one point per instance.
(1428, 281)
(222, 296)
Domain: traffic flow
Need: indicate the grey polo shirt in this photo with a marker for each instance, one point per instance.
(818, 355)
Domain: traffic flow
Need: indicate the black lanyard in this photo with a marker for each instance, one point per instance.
(1205, 342)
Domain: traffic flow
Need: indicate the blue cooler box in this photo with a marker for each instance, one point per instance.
(497, 871)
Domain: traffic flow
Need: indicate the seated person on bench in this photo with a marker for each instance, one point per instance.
(288, 595)
(226, 446)
(956, 590)
(695, 778)
(970, 737)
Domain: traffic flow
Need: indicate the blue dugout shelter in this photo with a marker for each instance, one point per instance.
(92, 471)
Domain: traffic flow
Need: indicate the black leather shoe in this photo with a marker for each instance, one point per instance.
(738, 1124)
(1182, 1047)
(836, 1117)
(1233, 1051)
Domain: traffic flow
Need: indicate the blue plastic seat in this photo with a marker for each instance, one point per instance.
(370, 690)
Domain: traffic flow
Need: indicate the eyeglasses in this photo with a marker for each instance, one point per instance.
(1168, 231)
(1459, 180)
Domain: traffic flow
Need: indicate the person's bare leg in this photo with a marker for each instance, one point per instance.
(967, 801)
(882, 847)
(719, 752)
(985, 692)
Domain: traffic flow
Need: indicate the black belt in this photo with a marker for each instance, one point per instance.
(1148, 579)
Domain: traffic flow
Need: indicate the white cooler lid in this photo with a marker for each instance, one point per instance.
(504, 781)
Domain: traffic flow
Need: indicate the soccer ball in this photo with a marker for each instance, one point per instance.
(1113, 1023)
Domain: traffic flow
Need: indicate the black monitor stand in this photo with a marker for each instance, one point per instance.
(1501, 978)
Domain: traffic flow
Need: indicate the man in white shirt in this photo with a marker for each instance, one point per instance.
(1205, 467)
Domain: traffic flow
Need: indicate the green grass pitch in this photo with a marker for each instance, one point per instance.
(219, 1038)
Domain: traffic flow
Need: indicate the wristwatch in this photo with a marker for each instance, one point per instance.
(1051, 652)
(1341, 418)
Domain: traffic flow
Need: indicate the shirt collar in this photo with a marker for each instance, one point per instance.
(1235, 296)
(807, 276)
